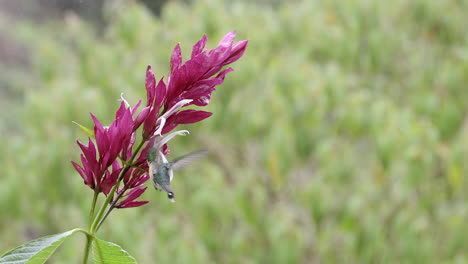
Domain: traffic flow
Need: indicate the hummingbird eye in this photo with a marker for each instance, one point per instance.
(170, 195)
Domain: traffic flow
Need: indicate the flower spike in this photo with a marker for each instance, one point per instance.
(112, 162)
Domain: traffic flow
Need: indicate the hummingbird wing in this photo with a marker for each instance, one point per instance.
(187, 159)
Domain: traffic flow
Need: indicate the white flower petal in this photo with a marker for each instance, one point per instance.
(122, 99)
(166, 139)
(162, 122)
(163, 158)
(176, 107)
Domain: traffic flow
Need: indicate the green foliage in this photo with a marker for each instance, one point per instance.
(340, 138)
(37, 251)
(109, 253)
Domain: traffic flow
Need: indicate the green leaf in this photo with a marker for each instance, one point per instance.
(110, 253)
(85, 129)
(36, 251)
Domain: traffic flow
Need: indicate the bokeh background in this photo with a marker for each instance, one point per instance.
(341, 137)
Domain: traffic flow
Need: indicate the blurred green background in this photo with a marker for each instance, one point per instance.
(341, 137)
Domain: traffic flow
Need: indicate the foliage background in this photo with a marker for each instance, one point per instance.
(340, 138)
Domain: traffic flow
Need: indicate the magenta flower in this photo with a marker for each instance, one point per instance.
(193, 79)
(133, 188)
(111, 141)
(113, 164)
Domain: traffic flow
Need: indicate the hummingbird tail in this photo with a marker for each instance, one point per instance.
(171, 196)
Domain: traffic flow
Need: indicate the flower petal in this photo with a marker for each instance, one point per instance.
(164, 140)
(122, 99)
(135, 108)
(199, 46)
(88, 180)
(176, 58)
(201, 90)
(141, 117)
(236, 52)
(132, 204)
(89, 152)
(131, 196)
(101, 140)
(161, 90)
(227, 40)
(185, 117)
(149, 124)
(150, 85)
(176, 107)
(161, 123)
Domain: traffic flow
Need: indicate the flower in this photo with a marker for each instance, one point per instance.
(111, 141)
(189, 83)
(133, 188)
(193, 79)
(111, 164)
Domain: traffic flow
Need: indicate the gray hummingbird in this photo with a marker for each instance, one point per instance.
(161, 170)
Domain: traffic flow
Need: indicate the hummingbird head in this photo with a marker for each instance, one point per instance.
(152, 152)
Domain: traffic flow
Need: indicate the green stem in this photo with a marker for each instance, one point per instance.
(89, 241)
(100, 214)
(89, 237)
(104, 218)
(110, 208)
(106, 203)
(93, 206)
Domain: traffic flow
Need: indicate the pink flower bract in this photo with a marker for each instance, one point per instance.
(104, 160)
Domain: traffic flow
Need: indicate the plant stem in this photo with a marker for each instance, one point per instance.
(89, 237)
(99, 216)
(93, 206)
(104, 218)
(110, 208)
(89, 241)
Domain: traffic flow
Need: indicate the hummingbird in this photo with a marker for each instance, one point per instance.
(161, 170)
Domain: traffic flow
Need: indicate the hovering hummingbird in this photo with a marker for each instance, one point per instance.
(161, 170)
